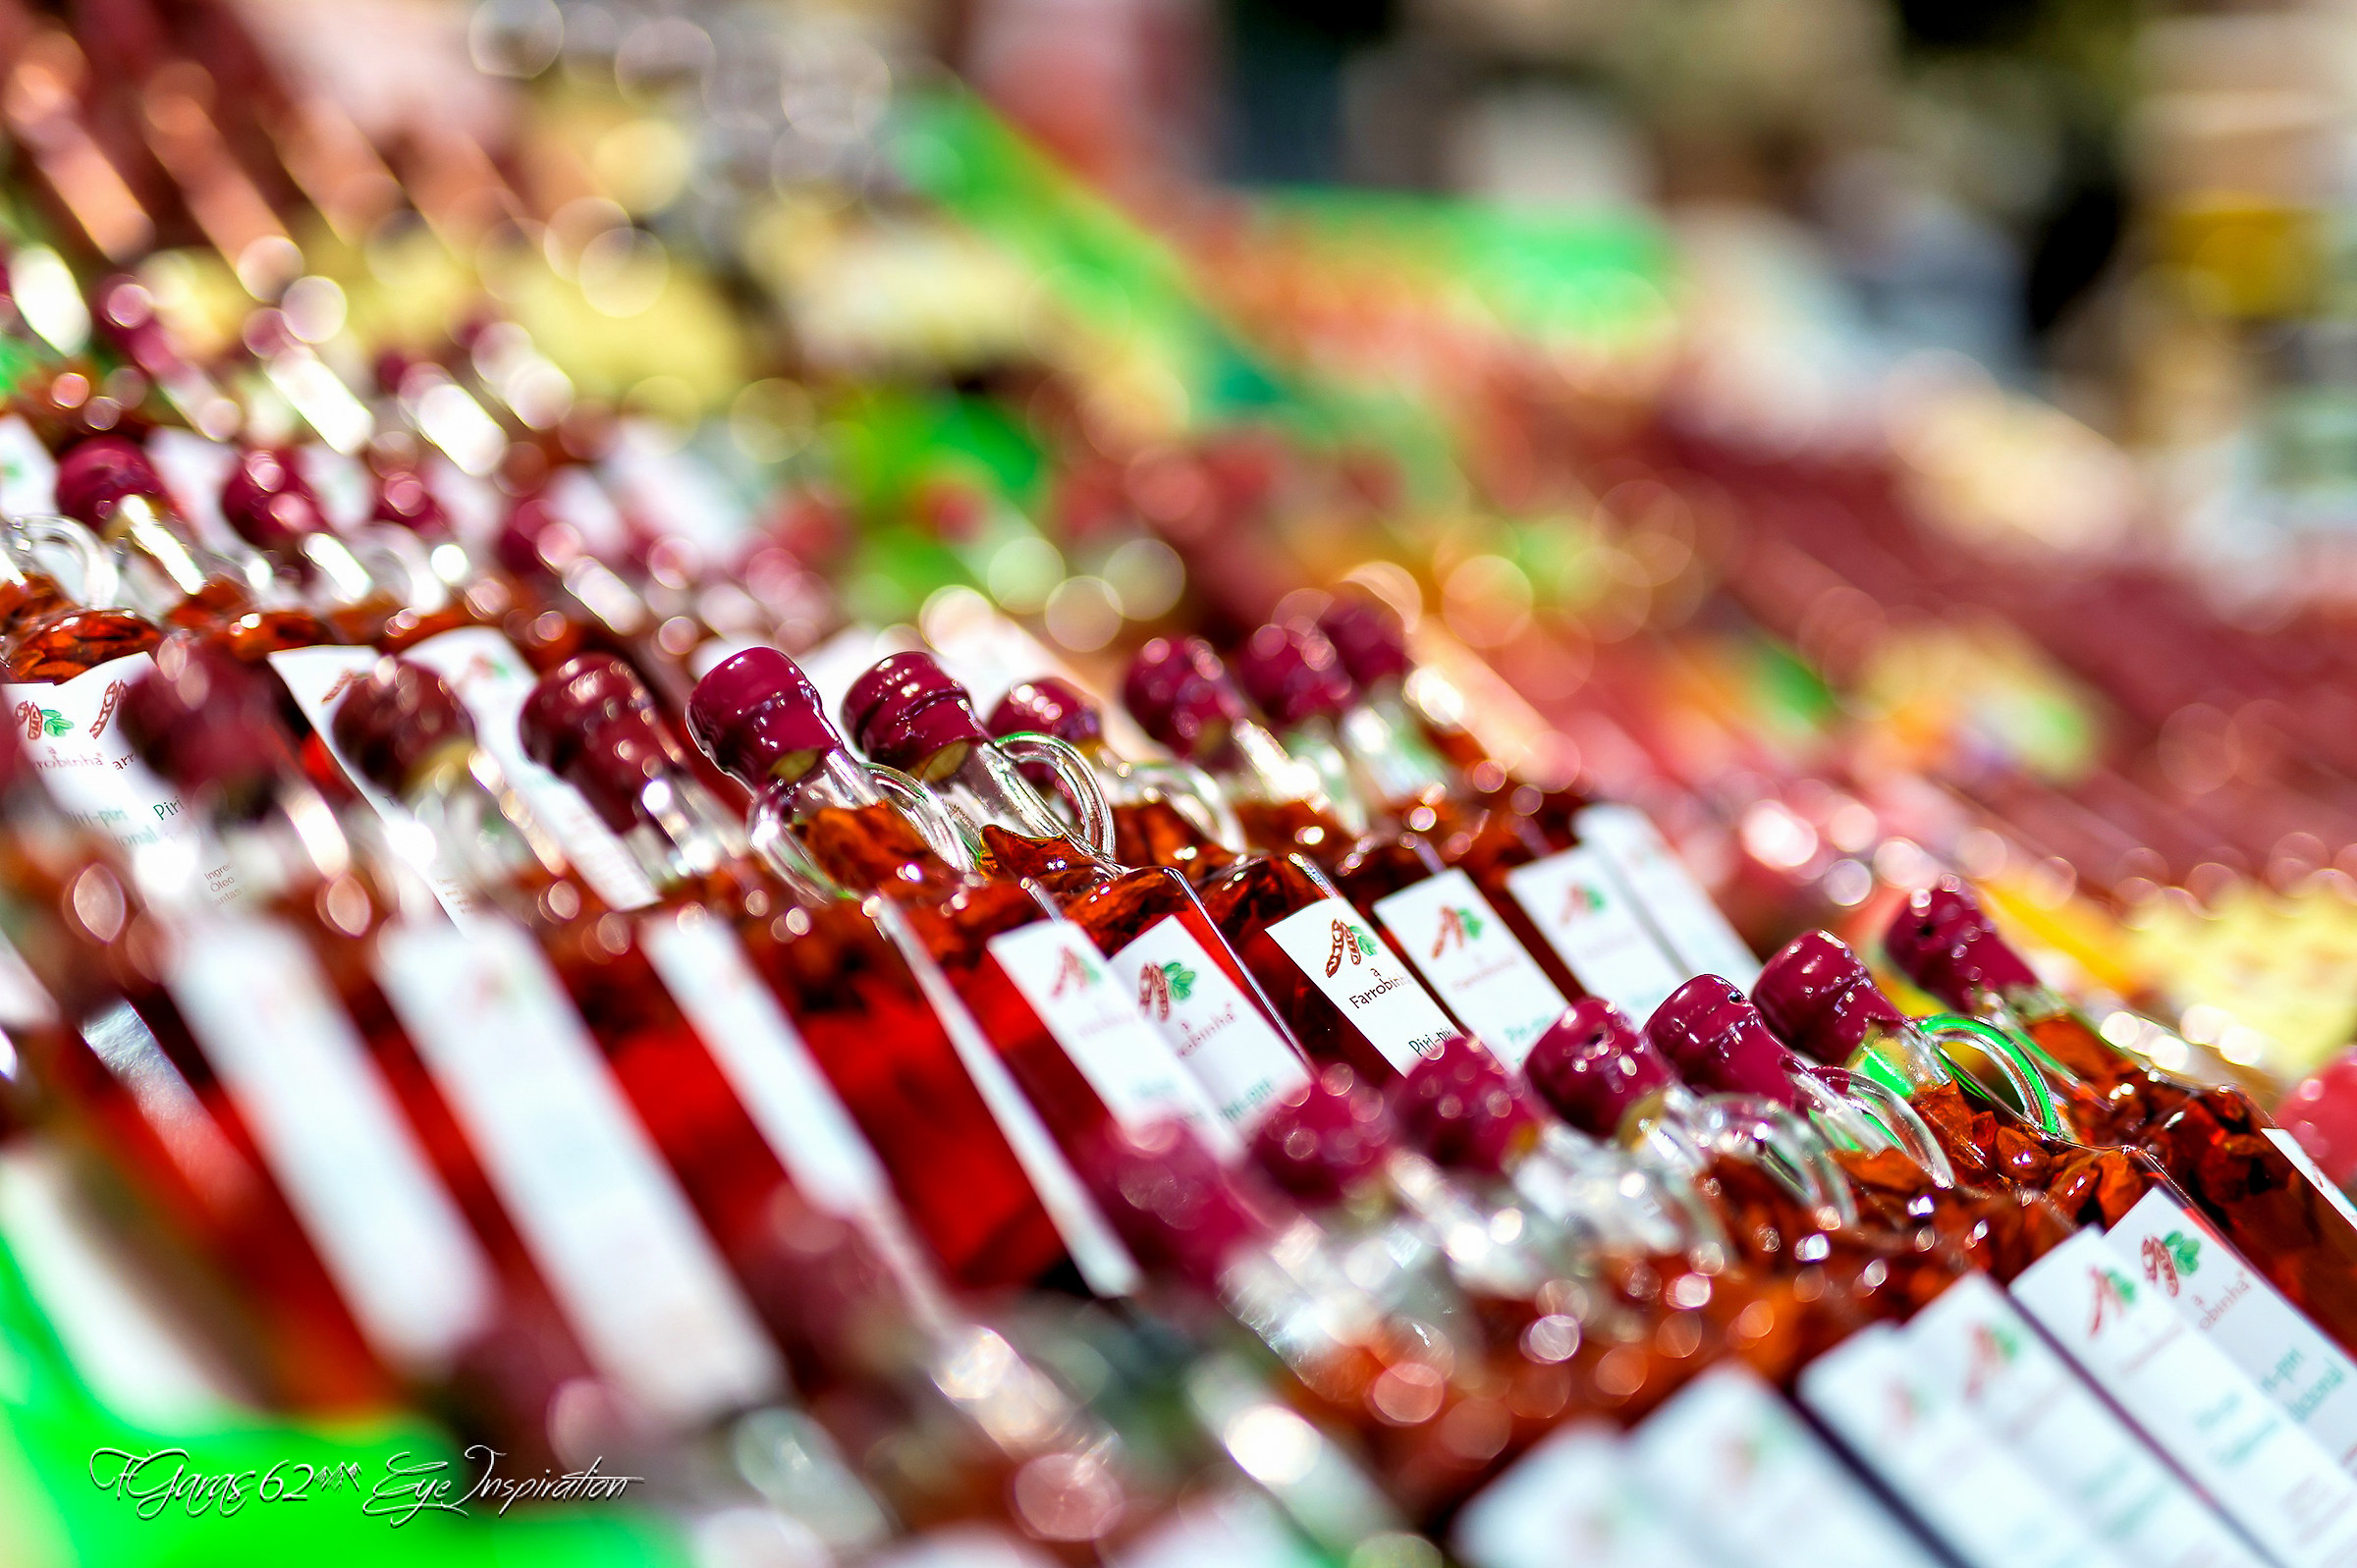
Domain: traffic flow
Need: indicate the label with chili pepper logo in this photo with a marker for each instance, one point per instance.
(1467, 954)
(1336, 948)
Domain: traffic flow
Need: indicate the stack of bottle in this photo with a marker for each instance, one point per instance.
(498, 983)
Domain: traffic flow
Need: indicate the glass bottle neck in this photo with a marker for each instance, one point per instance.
(986, 790)
(481, 829)
(832, 822)
(684, 839)
(1255, 768)
(1394, 766)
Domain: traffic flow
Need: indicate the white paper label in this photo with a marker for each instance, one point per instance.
(1095, 1018)
(1465, 951)
(388, 1234)
(492, 680)
(615, 1238)
(1698, 934)
(1973, 1345)
(28, 474)
(1756, 1486)
(1571, 1499)
(1932, 1454)
(74, 735)
(766, 1061)
(2308, 1167)
(2265, 1473)
(2239, 1310)
(1209, 1025)
(1581, 908)
(1338, 949)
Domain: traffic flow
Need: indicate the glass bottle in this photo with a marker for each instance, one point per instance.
(108, 485)
(2243, 1172)
(1432, 916)
(248, 1076)
(1043, 995)
(1277, 909)
(1715, 1038)
(849, 998)
(861, 1316)
(1785, 1202)
(1163, 949)
(1819, 998)
(1164, 813)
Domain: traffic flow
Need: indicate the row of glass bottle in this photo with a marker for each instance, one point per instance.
(615, 736)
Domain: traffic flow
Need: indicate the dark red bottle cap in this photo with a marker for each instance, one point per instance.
(1718, 1041)
(99, 472)
(906, 709)
(1047, 706)
(206, 721)
(1326, 1137)
(534, 540)
(1592, 1066)
(590, 722)
(396, 717)
(1369, 636)
(1464, 1110)
(268, 501)
(1169, 1199)
(1943, 939)
(1179, 693)
(758, 717)
(1820, 1000)
(405, 499)
(1294, 673)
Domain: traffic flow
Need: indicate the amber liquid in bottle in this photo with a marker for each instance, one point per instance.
(2213, 1142)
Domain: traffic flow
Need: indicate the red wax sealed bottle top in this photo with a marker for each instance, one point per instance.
(1943, 940)
(1592, 1065)
(402, 498)
(590, 722)
(1717, 1040)
(1294, 673)
(268, 501)
(203, 720)
(1461, 1108)
(1327, 1135)
(396, 717)
(758, 717)
(1820, 1000)
(98, 473)
(1368, 636)
(906, 709)
(1179, 692)
(1047, 706)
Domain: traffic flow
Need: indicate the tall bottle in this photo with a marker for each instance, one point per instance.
(1428, 917)
(1165, 949)
(1567, 912)
(1373, 650)
(251, 1080)
(1819, 998)
(2246, 1174)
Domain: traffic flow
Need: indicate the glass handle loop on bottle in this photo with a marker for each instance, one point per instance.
(1075, 780)
(39, 540)
(2010, 1056)
(1796, 1154)
(1194, 794)
(925, 812)
(1901, 1120)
